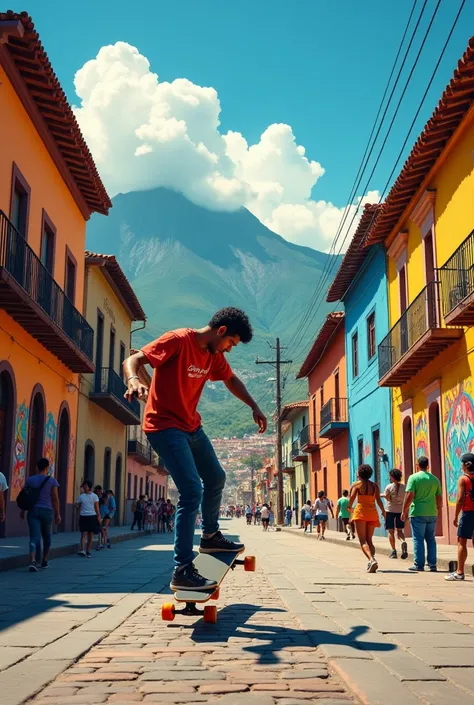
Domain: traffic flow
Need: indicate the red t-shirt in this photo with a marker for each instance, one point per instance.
(181, 369)
(468, 505)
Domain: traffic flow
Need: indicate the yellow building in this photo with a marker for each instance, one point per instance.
(427, 225)
(296, 482)
(110, 307)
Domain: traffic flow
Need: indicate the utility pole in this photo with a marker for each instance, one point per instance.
(277, 363)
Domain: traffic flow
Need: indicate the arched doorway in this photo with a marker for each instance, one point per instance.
(7, 424)
(107, 469)
(434, 425)
(35, 429)
(118, 489)
(407, 431)
(89, 462)
(62, 462)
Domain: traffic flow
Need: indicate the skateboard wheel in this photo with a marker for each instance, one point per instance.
(210, 614)
(215, 594)
(250, 563)
(167, 612)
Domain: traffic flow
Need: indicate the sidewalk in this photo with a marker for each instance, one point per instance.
(14, 550)
(445, 553)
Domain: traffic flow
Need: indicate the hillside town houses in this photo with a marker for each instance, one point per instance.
(65, 314)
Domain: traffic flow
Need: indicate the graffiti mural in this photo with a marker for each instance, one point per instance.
(50, 441)
(367, 451)
(421, 435)
(458, 419)
(19, 450)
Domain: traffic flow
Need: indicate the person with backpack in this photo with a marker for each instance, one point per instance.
(288, 516)
(465, 507)
(40, 499)
(89, 518)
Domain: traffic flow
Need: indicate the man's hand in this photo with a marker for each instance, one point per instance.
(57, 519)
(456, 522)
(403, 517)
(136, 388)
(260, 419)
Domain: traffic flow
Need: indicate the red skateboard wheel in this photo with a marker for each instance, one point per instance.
(210, 614)
(167, 612)
(250, 563)
(215, 594)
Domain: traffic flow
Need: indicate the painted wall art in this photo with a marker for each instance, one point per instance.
(458, 419)
(19, 450)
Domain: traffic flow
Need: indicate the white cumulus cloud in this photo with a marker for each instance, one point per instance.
(144, 133)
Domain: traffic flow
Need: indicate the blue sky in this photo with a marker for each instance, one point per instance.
(316, 65)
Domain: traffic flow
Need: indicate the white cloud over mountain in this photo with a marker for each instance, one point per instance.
(145, 133)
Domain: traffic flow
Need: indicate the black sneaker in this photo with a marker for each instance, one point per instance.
(393, 554)
(219, 544)
(404, 550)
(45, 565)
(33, 567)
(189, 578)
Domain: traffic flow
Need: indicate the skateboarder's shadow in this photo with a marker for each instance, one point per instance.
(233, 621)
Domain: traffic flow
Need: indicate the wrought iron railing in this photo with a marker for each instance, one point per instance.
(143, 449)
(335, 410)
(109, 382)
(295, 448)
(19, 260)
(420, 316)
(308, 436)
(457, 276)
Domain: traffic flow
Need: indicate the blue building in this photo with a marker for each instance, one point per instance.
(361, 284)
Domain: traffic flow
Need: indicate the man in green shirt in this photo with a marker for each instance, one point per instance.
(423, 499)
(342, 510)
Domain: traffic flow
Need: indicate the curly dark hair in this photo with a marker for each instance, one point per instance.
(365, 472)
(396, 474)
(236, 322)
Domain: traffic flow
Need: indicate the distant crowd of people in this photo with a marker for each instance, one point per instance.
(153, 516)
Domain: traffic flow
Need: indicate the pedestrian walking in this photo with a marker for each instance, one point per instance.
(307, 515)
(258, 515)
(423, 503)
(322, 507)
(342, 510)
(139, 513)
(42, 490)
(288, 516)
(365, 515)
(465, 507)
(3, 489)
(248, 514)
(89, 517)
(150, 516)
(265, 516)
(395, 495)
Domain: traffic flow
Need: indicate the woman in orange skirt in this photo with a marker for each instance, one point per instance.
(365, 514)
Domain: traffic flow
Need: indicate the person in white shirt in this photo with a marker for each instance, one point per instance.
(322, 507)
(395, 496)
(3, 489)
(265, 516)
(89, 518)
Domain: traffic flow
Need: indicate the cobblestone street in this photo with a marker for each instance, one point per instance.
(309, 626)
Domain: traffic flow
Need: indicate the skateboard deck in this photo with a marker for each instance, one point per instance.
(213, 566)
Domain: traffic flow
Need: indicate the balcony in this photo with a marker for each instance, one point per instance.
(108, 393)
(30, 295)
(334, 418)
(415, 339)
(309, 439)
(287, 464)
(139, 451)
(296, 452)
(457, 285)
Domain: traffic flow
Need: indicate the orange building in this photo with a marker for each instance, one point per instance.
(49, 187)
(326, 438)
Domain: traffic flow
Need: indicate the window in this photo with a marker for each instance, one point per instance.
(321, 397)
(112, 349)
(360, 451)
(371, 346)
(20, 202)
(107, 469)
(122, 358)
(141, 486)
(99, 350)
(70, 276)
(48, 238)
(129, 485)
(355, 355)
(135, 487)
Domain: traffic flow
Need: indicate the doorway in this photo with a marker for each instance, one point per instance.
(62, 464)
(7, 420)
(99, 351)
(376, 458)
(339, 480)
(107, 469)
(89, 462)
(434, 421)
(35, 432)
(118, 489)
(407, 430)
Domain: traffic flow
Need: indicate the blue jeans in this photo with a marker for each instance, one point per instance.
(192, 463)
(423, 529)
(40, 523)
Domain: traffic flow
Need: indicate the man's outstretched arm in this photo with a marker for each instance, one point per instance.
(239, 390)
(133, 369)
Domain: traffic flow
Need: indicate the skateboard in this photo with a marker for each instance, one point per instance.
(214, 566)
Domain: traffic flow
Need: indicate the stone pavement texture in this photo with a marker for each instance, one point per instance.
(310, 626)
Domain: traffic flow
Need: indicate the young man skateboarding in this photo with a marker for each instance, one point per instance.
(183, 360)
